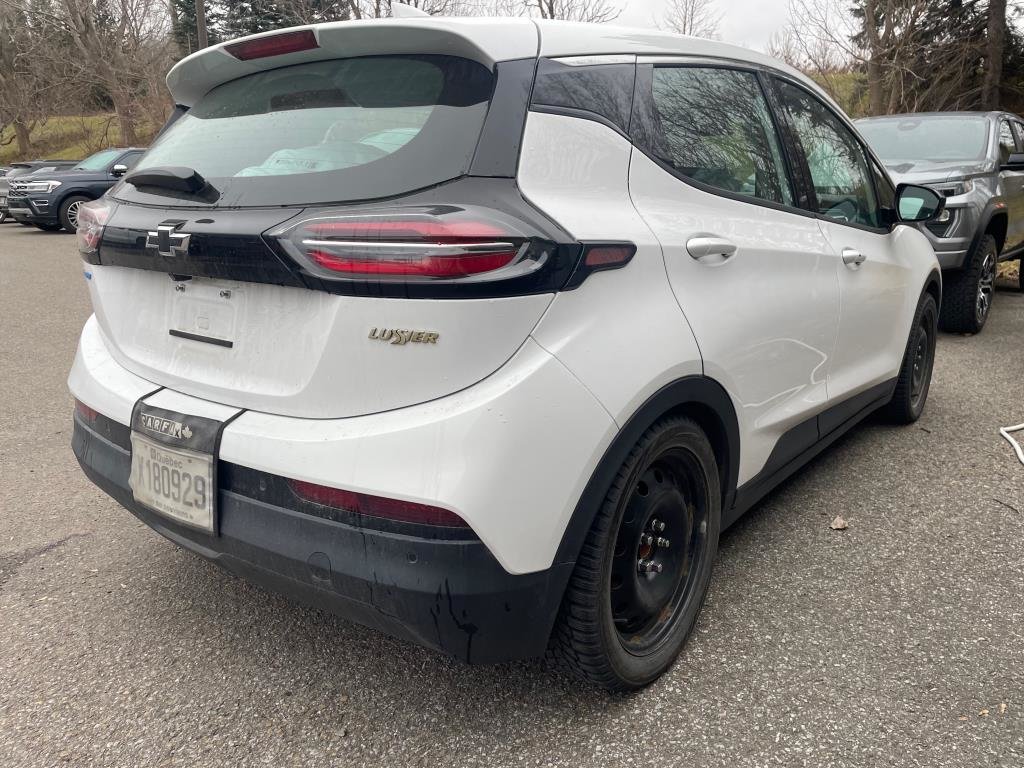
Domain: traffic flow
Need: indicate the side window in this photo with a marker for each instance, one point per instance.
(130, 159)
(713, 126)
(839, 168)
(884, 188)
(1007, 144)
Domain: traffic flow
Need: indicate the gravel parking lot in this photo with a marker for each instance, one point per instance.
(896, 642)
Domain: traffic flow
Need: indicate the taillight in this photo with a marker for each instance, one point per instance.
(273, 45)
(453, 244)
(376, 506)
(92, 217)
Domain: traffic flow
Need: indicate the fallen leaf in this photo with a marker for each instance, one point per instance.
(1002, 708)
(839, 524)
(983, 713)
(964, 718)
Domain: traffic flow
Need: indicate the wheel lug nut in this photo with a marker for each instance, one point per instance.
(657, 526)
(649, 566)
(663, 542)
(646, 539)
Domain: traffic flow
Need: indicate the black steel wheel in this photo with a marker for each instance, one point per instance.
(644, 571)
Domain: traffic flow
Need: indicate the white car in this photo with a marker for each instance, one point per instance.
(480, 331)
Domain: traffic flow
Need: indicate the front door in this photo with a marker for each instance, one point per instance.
(874, 279)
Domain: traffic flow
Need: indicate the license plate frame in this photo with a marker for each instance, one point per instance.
(178, 484)
(181, 441)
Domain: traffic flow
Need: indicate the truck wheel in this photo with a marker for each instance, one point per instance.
(69, 212)
(967, 295)
(643, 572)
(915, 375)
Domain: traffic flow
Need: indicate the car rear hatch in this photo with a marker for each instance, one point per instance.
(315, 236)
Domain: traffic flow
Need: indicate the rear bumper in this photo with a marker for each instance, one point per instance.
(449, 595)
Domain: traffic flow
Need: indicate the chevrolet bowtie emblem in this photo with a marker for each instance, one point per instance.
(167, 240)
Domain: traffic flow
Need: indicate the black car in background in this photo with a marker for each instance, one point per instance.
(15, 170)
(51, 201)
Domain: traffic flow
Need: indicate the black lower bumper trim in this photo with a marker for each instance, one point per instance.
(452, 596)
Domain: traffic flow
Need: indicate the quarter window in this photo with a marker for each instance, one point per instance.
(838, 167)
(713, 126)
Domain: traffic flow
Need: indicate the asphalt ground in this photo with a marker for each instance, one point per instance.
(896, 642)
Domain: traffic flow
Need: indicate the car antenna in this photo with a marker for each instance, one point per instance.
(405, 11)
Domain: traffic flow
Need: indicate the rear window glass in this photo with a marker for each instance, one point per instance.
(330, 131)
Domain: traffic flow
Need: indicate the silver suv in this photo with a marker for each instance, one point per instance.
(975, 160)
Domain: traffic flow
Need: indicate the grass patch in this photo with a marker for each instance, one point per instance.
(69, 137)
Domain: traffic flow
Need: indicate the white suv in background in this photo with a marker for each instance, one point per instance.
(481, 331)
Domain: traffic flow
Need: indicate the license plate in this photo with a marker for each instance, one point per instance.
(176, 483)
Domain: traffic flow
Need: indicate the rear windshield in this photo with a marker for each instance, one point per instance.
(330, 131)
(931, 139)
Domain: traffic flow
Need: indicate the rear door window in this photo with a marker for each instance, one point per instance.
(331, 131)
(713, 127)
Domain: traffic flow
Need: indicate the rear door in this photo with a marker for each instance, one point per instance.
(752, 272)
(876, 282)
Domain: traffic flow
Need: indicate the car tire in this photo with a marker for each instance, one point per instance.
(69, 212)
(47, 227)
(915, 376)
(967, 294)
(621, 624)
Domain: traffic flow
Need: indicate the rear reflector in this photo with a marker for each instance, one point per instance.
(85, 411)
(376, 506)
(273, 45)
(608, 256)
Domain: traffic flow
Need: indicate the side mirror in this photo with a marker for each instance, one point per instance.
(1015, 162)
(119, 170)
(918, 204)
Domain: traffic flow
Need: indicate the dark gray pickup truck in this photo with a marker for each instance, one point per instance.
(976, 160)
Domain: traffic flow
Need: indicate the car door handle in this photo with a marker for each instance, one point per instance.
(852, 258)
(707, 247)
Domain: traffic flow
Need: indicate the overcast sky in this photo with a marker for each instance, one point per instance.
(750, 23)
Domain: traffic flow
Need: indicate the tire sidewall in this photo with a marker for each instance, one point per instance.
(637, 671)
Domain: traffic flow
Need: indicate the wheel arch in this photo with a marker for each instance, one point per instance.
(933, 285)
(699, 397)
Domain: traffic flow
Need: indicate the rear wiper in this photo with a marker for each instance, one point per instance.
(177, 178)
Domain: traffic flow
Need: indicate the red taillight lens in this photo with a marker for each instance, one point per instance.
(376, 506)
(410, 246)
(85, 411)
(92, 218)
(273, 45)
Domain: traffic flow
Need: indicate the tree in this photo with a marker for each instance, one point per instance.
(574, 10)
(696, 18)
(995, 51)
